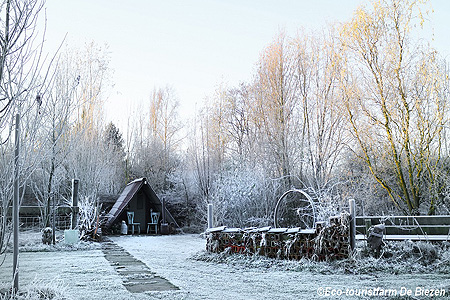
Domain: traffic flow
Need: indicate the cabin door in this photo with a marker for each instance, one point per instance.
(139, 210)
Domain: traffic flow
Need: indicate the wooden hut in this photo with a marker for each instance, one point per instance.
(138, 197)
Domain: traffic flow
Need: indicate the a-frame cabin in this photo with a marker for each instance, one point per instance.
(138, 197)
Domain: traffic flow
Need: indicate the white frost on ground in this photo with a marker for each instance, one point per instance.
(170, 257)
(86, 274)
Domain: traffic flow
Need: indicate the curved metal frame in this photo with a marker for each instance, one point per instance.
(275, 217)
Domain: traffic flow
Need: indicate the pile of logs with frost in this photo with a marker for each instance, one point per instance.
(325, 242)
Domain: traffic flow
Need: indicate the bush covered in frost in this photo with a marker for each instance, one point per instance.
(243, 197)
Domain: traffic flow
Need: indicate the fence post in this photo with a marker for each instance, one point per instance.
(352, 223)
(74, 223)
(164, 225)
(52, 195)
(210, 215)
(368, 223)
(15, 215)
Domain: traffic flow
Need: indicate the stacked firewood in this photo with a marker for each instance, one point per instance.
(333, 241)
(321, 243)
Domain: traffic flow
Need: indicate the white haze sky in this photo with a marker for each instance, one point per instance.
(194, 45)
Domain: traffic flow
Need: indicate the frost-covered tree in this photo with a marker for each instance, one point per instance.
(57, 114)
(113, 138)
(243, 197)
(115, 155)
(396, 92)
(155, 140)
(322, 132)
(22, 82)
(88, 159)
(274, 107)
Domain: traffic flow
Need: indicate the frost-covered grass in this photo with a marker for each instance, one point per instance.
(181, 259)
(84, 274)
(201, 275)
(52, 271)
(31, 241)
(405, 257)
(38, 289)
(396, 258)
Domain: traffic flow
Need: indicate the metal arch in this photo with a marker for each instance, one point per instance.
(275, 217)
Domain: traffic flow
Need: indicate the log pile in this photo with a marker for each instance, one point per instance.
(322, 243)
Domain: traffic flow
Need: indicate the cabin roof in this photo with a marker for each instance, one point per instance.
(128, 193)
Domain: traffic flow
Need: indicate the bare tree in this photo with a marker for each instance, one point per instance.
(70, 134)
(165, 128)
(22, 81)
(57, 113)
(395, 100)
(240, 129)
(275, 104)
(154, 139)
(88, 159)
(207, 152)
(322, 130)
(20, 56)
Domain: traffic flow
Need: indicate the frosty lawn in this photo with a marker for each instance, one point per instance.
(177, 258)
(181, 259)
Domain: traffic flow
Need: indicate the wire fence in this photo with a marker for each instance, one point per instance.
(62, 222)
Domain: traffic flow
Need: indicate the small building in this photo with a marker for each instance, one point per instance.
(138, 197)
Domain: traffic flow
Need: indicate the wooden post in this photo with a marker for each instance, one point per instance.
(164, 210)
(15, 215)
(352, 223)
(164, 226)
(53, 219)
(368, 223)
(210, 216)
(74, 222)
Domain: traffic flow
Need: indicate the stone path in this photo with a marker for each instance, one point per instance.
(136, 276)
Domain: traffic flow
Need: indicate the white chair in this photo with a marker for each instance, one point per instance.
(154, 219)
(131, 223)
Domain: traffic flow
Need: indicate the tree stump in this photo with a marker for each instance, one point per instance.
(47, 235)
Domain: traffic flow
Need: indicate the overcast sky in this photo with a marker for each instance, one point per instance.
(193, 45)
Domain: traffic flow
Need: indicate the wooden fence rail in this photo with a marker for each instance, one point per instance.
(433, 228)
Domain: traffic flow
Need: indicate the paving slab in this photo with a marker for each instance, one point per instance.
(136, 276)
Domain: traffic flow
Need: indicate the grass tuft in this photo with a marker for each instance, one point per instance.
(38, 290)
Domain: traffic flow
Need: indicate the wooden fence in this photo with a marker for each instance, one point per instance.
(431, 228)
